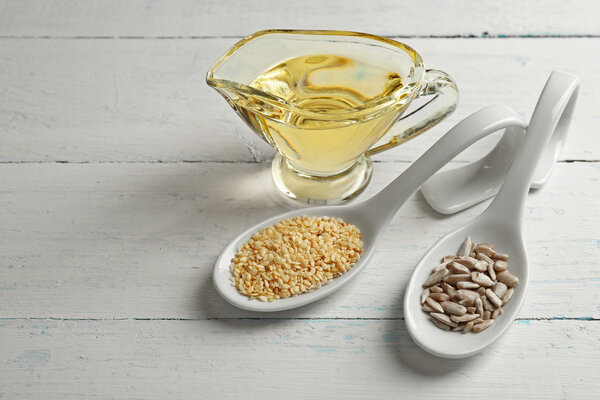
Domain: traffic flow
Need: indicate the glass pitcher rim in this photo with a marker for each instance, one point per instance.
(371, 106)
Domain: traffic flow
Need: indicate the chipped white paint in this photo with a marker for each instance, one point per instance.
(90, 247)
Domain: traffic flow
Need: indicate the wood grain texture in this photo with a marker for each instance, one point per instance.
(238, 18)
(146, 100)
(297, 359)
(140, 240)
(106, 259)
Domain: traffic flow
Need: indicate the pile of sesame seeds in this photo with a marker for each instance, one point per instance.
(295, 256)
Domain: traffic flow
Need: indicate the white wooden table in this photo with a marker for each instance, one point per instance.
(123, 175)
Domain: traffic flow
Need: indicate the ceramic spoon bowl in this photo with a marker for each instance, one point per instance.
(482, 179)
(500, 225)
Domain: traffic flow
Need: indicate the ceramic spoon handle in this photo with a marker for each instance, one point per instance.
(382, 207)
(553, 112)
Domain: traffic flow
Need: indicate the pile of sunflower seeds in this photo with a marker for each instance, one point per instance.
(466, 292)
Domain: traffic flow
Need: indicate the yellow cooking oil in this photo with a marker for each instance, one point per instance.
(331, 110)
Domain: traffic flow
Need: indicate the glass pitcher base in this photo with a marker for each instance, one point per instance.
(336, 189)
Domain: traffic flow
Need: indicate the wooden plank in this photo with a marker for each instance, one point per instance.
(140, 240)
(77, 96)
(297, 359)
(217, 18)
(131, 100)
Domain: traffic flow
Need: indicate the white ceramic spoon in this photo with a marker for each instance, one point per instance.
(373, 215)
(482, 179)
(500, 224)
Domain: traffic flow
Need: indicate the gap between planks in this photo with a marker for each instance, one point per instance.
(568, 161)
(483, 35)
(274, 319)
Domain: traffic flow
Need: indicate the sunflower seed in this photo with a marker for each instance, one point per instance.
(468, 262)
(453, 308)
(436, 289)
(465, 247)
(471, 310)
(500, 256)
(464, 294)
(507, 296)
(424, 295)
(444, 318)
(508, 279)
(481, 266)
(464, 318)
(495, 300)
(482, 248)
(458, 328)
(459, 268)
(436, 277)
(483, 257)
(500, 289)
(449, 289)
(486, 315)
(481, 291)
(434, 304)
(496, 313)
(478, 306)
(427, 308)
(482, 279)
(485, 324)
(440, 267)
(440, 325)
(487, 304)
(491, 272)
(439, 296)
(468, 327)
(500, 265)
(466, 302)
(453, 279)
(447, 259)
(467, 285)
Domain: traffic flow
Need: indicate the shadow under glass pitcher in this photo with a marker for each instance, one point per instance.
(325, 100)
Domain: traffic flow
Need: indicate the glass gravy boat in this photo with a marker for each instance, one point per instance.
(325, 101)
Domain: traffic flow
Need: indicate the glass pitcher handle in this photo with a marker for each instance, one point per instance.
(443, 88)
